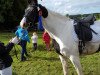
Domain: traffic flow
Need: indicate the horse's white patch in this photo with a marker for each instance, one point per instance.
(23, 21)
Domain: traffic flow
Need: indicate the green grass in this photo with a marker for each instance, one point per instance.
(43, 62)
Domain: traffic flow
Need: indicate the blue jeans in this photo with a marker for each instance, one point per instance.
(23, 44)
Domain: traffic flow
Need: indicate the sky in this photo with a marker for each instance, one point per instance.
(72, 7)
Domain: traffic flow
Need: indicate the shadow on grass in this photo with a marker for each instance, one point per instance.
(14, 73)
(41, 48)
(46, 58)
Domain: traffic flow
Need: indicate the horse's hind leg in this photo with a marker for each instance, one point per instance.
(64, 64)
(76, 62)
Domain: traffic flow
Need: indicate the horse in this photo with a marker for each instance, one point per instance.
(61, 28)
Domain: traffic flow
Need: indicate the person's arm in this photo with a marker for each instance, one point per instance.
(6, 49)
(16, 33)
(2, 48)
(10, 45)
(27, 36)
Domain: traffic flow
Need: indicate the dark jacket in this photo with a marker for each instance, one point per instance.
(5, 58)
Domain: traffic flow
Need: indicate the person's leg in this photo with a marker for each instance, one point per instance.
(35, 46)
(23, 50)
(6, 71)
(25, 44)
(47, 45)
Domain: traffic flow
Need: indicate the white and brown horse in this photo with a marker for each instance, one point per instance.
(61, 29)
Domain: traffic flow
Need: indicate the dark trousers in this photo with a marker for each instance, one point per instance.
(23, 45)
(34, 46)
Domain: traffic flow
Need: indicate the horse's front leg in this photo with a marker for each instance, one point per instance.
(64, 64)
(76, 62)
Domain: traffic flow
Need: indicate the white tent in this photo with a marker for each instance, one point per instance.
(72, 7)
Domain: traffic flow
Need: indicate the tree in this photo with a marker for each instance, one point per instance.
(11, 12)
(4, 6)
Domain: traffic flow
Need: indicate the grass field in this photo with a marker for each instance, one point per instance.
(43, 62)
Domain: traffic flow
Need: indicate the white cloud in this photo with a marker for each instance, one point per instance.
(72, 6)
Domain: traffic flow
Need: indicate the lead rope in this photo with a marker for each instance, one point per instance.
(15, 52)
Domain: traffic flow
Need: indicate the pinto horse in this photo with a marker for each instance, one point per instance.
(61, 28)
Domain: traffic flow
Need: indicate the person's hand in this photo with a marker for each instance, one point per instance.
(15, 40)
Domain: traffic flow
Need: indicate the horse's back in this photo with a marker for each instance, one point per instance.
(97, 22)
(96, 28)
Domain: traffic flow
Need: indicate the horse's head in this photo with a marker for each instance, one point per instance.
(32, 13)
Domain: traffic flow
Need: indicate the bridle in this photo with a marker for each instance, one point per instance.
(35, 10)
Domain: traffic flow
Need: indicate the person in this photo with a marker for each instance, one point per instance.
(46, 39)
(34, 40)
(22, 34)
(5, 58)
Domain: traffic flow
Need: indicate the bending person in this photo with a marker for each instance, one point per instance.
(5, 58)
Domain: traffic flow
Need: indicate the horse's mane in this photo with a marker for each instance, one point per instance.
(59, 15)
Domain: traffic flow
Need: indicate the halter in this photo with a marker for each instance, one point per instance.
(39, 11)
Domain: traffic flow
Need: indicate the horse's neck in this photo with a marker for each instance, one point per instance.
(58, 25)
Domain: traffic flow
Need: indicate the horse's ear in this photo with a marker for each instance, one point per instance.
(29, 1)
(32, 2)
(44, 11)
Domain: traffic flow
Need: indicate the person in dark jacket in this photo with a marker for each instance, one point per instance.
(5, 58)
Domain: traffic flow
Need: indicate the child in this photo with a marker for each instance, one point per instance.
(46, 39)
(22, 33)
(34, 40)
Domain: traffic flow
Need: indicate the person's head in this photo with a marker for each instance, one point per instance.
(34, 33)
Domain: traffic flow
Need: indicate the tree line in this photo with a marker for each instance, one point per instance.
(80, 16)
(12, 11)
